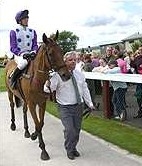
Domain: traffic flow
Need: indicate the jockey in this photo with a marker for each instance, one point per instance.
(23, 44)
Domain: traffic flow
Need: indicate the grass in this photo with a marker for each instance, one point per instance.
(2, 80)
(124, 136)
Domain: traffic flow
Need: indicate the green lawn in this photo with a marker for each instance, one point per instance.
(125, 136)
(2, 80)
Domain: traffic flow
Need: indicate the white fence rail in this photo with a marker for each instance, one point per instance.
(133, 78)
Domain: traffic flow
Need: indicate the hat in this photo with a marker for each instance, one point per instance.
(21, 15)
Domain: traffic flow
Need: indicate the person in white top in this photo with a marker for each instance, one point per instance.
(79, 61)
(102, 67)
(70, 111)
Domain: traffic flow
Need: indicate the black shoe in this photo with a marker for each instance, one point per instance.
(76, 153)
(71, 156)
(138, 116)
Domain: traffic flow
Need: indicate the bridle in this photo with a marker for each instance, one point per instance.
(48, 52)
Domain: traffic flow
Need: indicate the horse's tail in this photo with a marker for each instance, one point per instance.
(18, 101)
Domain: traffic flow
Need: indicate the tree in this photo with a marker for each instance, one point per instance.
(67, 41)
(136, 45)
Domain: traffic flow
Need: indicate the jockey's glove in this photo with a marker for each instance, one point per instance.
(26, 56)
(32, 55)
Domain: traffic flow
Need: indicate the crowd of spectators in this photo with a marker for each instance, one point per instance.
(114, 61)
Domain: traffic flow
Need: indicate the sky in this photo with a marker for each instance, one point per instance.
(95, 22)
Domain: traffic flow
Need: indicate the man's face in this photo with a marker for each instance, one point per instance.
(71, 62)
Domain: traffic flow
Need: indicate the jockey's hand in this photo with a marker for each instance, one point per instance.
(32, 55)
(26, 56)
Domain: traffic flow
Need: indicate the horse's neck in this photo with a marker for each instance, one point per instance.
(38, 69)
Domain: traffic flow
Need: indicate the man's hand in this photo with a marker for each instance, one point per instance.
(88, 111)
(47, 83)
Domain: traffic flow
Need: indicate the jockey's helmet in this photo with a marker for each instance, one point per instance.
(21, 15)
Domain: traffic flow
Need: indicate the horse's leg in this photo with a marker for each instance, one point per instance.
(32, 108)
(44, 154)
(10, 96)
(38, 129)
(27, 133)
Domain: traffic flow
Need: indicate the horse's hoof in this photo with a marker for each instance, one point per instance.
(13, 127)
(33, 136)
(27, 134)
(44, 155)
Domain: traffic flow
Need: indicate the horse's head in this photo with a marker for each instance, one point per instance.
(55, 57)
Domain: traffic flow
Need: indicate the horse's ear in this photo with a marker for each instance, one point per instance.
(44, 38)
(56, 35)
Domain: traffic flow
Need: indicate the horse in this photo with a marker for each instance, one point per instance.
(30, 87)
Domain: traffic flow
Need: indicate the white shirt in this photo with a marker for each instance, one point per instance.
(65, 92)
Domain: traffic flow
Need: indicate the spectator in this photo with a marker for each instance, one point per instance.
(95, 59)
(127, 59)
(79, 62)
(102, 67)
(122, 63)
(118, 98)
(91, 83)
(137, 65)
(109, 54)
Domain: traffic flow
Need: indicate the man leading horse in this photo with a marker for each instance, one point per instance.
(23, 44)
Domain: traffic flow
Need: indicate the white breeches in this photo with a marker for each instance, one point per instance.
(21, 63)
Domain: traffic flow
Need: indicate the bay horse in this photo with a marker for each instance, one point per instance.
(30, 89)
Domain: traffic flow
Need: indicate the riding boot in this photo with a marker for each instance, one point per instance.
(14, 78)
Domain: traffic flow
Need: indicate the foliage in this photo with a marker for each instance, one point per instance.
(68, 41)
(124, 136)
(2, 80)
(136, 45)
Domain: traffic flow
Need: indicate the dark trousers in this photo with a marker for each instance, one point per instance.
(138, 95)
(118, 100)
(71, 117)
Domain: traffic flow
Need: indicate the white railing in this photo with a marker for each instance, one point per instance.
(133, 78)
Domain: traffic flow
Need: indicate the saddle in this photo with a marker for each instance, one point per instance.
(17, 74)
